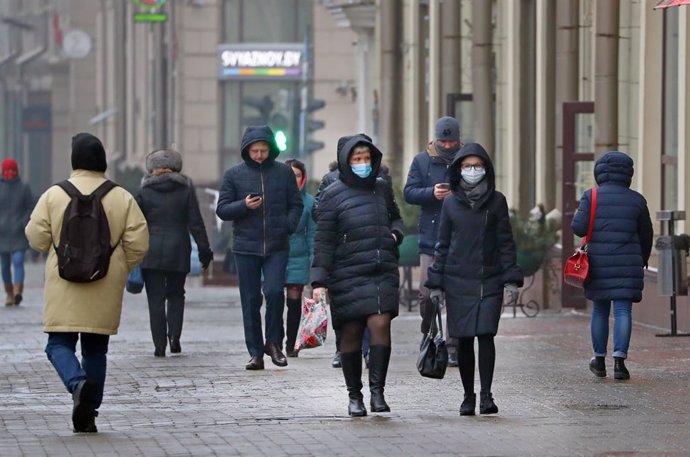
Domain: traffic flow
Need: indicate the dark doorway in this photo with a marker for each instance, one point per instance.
(578, 163)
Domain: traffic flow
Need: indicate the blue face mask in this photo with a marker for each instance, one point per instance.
(362, 170)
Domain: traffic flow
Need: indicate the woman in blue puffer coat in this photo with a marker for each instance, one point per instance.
(299, 260)
(619, 249)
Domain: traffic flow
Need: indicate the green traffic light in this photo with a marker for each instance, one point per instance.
(281, 140)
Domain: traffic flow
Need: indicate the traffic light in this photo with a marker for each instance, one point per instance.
(264, 105)
(281, 140)
(313, 125)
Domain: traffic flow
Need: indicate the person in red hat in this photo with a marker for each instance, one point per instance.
(16, 202)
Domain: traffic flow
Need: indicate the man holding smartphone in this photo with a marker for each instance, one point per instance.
(261, 197)
(426, 186)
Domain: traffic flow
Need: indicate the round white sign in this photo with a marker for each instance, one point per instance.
(76, 44)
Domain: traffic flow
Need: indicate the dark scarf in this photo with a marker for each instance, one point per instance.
(474, 192)
(446, 155)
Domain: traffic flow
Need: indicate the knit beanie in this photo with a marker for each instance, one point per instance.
(88, 153)
(9, 168)
(164, 158)
(447, 129)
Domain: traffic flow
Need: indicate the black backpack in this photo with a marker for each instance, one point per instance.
(84, 250)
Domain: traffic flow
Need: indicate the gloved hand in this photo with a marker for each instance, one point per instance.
(512, 293)
(205, 257)
(436, 296)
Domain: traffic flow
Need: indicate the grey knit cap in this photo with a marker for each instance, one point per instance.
(164, 158)
(447, 129)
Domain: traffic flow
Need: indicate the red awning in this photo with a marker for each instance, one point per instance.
(669, 3)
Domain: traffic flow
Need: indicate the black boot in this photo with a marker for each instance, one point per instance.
(468, 405)
(379, 356)
(598, 366)
(486, 403)
(352, 371)
(619, 370)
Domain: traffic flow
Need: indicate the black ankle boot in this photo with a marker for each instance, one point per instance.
(352, 371)
(598, 366)
(486, 403)
(379, 356)
(468, 405)
(619, 370)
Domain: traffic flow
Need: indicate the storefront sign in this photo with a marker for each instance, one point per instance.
(261, 61)
(148, 11)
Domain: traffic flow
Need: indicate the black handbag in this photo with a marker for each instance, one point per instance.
(433, 353)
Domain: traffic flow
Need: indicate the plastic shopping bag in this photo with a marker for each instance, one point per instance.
(312, 327)
(194, 262)
(135, 281)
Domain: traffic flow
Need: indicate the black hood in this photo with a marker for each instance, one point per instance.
(453, 173)
(255, 133)
(614, 167)
(345, 146)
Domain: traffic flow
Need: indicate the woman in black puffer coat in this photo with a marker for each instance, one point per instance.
(474, 261)
(618, 253)
(356, 258)
(168, 200)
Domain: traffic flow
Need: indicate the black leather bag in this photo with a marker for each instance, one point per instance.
(433, 353)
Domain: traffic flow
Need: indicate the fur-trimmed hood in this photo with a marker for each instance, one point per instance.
(165, 181)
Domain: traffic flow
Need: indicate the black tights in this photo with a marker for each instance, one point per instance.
(294, 313)
(487, 360)
(379, 326)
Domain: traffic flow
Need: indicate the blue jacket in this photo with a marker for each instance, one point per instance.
(302, 245)
(266, 229)
(426, 171)
(622, 234)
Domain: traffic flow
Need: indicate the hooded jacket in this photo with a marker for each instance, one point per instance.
(302, 244)
(475, 255)
(171, 209)
(16, 203)
(266, 229)
(355, 254)
(622, 235)
(427, 170)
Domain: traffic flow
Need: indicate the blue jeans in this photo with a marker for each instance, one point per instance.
(622, 327)
(16, 260)
(61, 349)
(249, 271)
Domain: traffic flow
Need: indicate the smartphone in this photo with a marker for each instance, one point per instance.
(253, 195)
(444, 186)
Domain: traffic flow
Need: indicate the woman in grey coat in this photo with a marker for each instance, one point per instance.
(168, 200)
(16, 203)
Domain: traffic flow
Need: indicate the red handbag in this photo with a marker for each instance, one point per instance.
(576, 268)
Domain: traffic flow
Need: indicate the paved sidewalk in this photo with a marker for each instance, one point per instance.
(204, 403)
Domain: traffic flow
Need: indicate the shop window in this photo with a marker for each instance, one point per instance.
(669, 118)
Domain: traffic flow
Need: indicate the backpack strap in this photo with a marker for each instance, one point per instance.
(103, 189)
(69, 188)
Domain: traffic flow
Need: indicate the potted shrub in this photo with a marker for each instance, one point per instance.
(533, 236)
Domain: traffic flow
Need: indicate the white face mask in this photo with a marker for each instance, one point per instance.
(473, 175)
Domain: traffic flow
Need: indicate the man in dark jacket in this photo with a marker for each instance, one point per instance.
(426, 186)
(261, 197)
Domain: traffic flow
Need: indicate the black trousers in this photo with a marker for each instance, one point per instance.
(165, 294)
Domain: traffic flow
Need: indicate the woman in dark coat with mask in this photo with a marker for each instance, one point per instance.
(474, 261)
(168, 200)
(618, 253)
(358, 229)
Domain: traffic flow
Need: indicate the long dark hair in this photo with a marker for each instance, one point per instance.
(294, 163)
